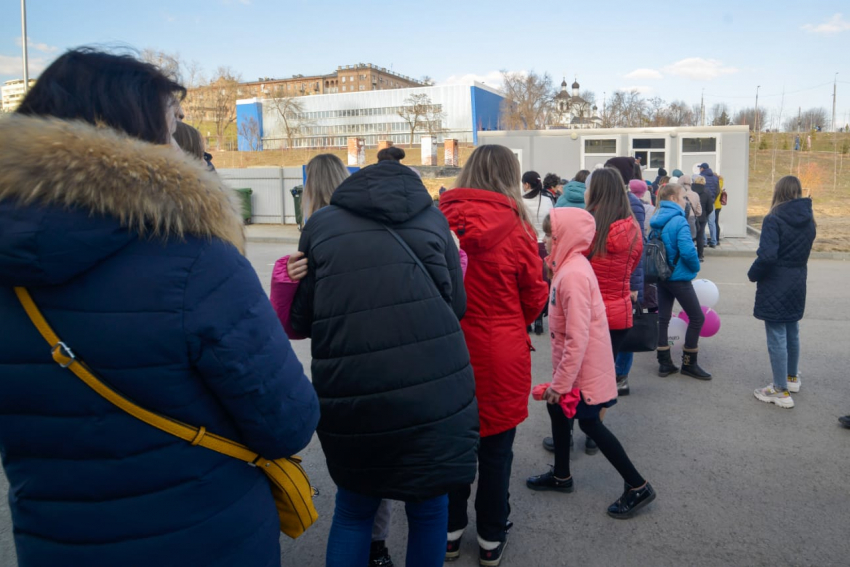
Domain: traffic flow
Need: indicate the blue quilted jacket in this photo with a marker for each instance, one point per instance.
(781, 269)
(636, 282)
(132, 253)
(670, 221)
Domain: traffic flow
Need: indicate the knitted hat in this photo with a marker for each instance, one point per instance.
(662, 172)
(673, 180)
(676, 173)
(637, 187)
(625, 165)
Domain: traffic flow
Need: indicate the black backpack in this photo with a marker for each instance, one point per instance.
(655, 266)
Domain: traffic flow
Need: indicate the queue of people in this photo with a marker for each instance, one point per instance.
(133, 249)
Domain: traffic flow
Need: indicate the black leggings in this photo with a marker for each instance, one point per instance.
(617, 338)
(700, 224)
(684, 292)
(606, 441)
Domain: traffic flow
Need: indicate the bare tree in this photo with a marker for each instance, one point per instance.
(747, 116)
(626, 110)
(293, 118)
(427, 81)
(219, 101)
(250, 132)
(656, 109)
(719, 115)
(434, 117)
(415, 113)
(679, 113)
(193, 105)
(528, 100)
(168, 63)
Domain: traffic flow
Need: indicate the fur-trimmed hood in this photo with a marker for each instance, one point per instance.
(60, 180)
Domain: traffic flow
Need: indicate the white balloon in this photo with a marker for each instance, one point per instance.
(707, 293)
(676, 333)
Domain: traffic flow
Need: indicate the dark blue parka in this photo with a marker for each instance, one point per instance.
(781, 269)
(175, 318)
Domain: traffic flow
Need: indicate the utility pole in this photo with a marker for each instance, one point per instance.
(702, 108)
(24, 45)
(756, 118)
(834, 93)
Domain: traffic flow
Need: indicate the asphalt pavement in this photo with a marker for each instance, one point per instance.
(739, 482)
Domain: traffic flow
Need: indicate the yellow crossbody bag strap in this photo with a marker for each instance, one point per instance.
(66, 359)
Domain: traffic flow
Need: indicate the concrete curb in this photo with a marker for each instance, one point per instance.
(273, 240)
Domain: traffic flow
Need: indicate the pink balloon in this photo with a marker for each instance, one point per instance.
(712, 321)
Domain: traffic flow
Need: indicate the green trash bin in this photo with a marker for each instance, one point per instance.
(297, 193)
(247, 208)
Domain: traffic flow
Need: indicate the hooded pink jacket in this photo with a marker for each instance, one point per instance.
(581, 345)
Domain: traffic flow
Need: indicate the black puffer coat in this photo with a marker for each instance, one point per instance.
(705, 200)
(780, 270)
(390, 364)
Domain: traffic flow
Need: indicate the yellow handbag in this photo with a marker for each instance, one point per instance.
(293, 494)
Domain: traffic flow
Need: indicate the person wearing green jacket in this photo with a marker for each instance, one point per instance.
(574, 191)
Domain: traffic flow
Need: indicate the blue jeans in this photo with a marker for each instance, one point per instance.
(351, 531)
(783, 346)
(624, 363)
(712, 228)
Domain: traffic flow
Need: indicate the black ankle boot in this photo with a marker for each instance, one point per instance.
(665, 363)
(379, 555)
(690, 366)
(631, 501)
(538, 326)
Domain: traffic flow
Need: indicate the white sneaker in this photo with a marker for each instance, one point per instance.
(773, 396)
(794, 384)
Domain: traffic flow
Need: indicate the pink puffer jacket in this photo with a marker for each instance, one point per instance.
(581, 344)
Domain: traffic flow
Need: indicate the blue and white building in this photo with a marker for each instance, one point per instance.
(374, 115)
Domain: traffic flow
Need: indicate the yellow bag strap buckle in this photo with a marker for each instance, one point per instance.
(63, 355)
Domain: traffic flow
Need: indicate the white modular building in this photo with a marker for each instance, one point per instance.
(565, 152)
(330, 119)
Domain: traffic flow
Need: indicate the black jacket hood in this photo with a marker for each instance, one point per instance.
(388, 192)
(796, 213)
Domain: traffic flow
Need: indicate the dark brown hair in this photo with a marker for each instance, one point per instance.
(581, 176)
(607, 202)
(189, 140)
(546, 225)
(391, 154)
(787, 189)
(118, 91)
(551, 180)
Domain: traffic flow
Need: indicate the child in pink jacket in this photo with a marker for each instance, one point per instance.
(581, 358)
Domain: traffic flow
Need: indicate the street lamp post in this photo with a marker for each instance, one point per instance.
(756, 118)
(24, 45)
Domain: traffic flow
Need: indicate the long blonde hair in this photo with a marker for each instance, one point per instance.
(496, 168)
(189, 140)
(787, 189)
(325, 172)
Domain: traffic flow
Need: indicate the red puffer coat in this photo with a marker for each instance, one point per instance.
(614, 269)
(505, 292)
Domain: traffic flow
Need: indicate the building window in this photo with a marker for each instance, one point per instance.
(699, 145)
(608, 146)
(343, 89)
(651, 151)
(343, 79)
(362, 87)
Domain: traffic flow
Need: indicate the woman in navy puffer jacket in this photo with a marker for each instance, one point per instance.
(133, 252)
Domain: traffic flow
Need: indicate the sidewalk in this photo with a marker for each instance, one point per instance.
(273, 233)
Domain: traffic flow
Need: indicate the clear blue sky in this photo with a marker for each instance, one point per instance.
(670, 49)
